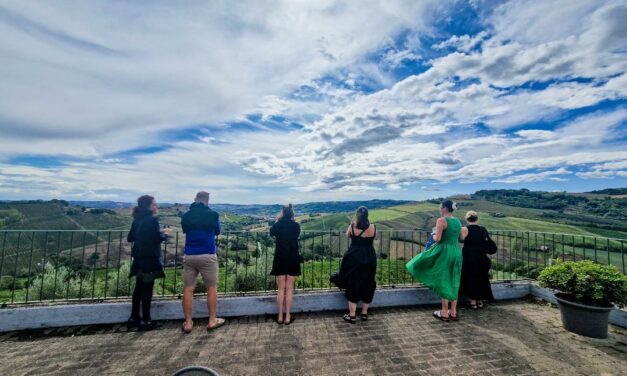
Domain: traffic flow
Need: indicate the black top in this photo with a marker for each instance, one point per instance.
(475, 242)
(146, 238)
(286, 232)
(358, 240)
(200, 217)
(286, 261)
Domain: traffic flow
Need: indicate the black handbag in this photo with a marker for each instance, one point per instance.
(336, 279)
(490, 245)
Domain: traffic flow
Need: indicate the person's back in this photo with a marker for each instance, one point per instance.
(200, 225)
(475, 240)
(450, 235)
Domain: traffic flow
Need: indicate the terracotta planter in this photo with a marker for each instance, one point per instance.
(585, 320)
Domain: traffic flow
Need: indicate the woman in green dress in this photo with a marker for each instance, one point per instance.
(440, 266)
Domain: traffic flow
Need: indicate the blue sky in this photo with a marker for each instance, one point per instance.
(268, 102)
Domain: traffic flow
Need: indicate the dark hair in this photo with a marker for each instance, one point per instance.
(448, 204)
(361, 218)
(287, 212)
(143, 206)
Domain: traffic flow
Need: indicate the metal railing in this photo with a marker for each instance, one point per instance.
(42, 266)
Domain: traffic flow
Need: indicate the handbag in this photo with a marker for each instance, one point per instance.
(490, 246)
(336, 279)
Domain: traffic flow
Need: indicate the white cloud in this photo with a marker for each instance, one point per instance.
(110, 86)
(71, 75)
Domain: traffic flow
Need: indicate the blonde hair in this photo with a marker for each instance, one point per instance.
(472, 216)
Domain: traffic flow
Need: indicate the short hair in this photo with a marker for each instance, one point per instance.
(202, 196)
(472, 216)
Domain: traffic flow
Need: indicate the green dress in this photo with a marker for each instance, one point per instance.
(440, 266)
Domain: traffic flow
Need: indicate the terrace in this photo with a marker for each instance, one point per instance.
(72, 285)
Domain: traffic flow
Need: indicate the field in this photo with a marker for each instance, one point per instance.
(89, 261)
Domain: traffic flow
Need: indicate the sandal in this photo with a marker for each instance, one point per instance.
(473, 306)
(349, 318)
(480, 304)
(219, 323)
(452, 318)
(187, 331)
(364, 317)
(438, 315)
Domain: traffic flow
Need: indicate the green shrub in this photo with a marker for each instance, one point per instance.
(586, 281)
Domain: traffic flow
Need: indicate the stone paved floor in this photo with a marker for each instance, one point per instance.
(511, 338)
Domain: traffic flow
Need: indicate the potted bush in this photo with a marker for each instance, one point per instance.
(586, 293)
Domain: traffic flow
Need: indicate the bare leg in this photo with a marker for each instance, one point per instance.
(454, 308)
(212, 304)
(444, 309)
(364, 309)
(352, 309)
(280, 296)
(289, 292)
(188, 295)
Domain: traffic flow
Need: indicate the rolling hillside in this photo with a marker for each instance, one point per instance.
(568, 219)
(58, 215)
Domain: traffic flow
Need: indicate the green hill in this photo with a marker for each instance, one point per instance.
(537, 211)
(58, 215)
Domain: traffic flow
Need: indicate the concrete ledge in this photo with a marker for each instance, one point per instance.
(109, 313)
(618, 317)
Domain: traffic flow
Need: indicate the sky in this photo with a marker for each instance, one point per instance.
(299, 101)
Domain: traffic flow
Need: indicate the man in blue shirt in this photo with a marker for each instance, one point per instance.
(200, 225)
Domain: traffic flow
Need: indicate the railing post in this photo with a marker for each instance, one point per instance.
(176, 262)
(71, 261)
(117, 280)
(106, 282)
(30, 263)
(17, 252)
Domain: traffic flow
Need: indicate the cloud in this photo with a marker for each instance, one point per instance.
(73, 76)
(537, 95)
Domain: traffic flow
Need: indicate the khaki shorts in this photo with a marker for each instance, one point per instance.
(206, 265)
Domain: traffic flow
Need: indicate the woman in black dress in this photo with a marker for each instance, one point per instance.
(475, 278)
(286, 264)
(146, 253)
(359, 265)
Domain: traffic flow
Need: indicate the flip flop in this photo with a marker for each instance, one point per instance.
(438, 315)
(219, 323)
(190, 328)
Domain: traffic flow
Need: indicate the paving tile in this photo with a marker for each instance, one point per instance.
(507, 338)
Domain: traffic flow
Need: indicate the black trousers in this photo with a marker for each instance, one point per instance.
(142, 294)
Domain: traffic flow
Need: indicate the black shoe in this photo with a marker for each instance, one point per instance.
(349, 319)
(147, 325)
(132, 323)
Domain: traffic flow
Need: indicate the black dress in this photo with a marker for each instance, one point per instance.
(359, 268)
(286, 260)
(475, 278)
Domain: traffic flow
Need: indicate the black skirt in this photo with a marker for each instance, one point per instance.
(359, 267)
(285, 263)
(475, 278)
